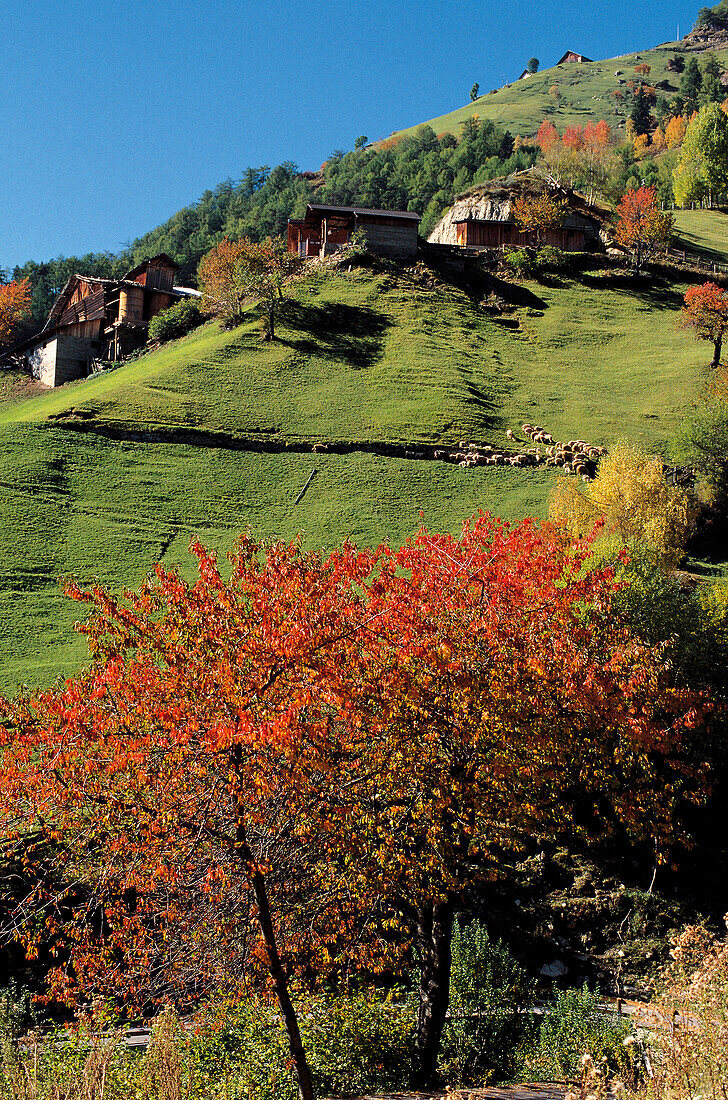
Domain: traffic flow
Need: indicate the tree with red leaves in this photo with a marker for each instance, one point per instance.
(642, 226)
(14, 306)
(705, 313)
(384, 724)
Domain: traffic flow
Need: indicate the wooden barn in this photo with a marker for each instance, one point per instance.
(477, 233)
(571, 57)
(95, 318)
(482, 217)
(325, 229)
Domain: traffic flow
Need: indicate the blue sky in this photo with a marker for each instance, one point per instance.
(117, 114)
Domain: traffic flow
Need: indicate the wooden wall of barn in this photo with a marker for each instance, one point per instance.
(390, 239)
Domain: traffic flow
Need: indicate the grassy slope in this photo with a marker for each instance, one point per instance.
(364, 357)
(586, 94)
(704, 231)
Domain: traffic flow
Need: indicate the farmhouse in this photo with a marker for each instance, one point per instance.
(481, 218)
(95, 318)
(325, 229)
(571, 57)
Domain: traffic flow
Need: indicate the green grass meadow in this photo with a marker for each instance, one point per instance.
(360, 357)
(704, 231)
(585, 92)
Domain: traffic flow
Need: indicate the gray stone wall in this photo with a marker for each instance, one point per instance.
(61, 359)
(42, 360)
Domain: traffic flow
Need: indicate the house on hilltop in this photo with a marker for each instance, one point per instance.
(325, 229)
(571, 57)
(481, 217)
(94, 318)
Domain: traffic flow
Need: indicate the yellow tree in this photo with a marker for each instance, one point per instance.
(537, 213)
(632, 500)
(234, 272)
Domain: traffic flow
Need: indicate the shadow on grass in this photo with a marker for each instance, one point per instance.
(653, 290)
(354, 334)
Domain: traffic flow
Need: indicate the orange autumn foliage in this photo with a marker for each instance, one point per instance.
(705, 313)
(14, 306)
(675, 131)
(642, 226)
(253, 746)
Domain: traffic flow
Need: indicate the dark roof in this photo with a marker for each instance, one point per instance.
(576, 54)
(357, 210)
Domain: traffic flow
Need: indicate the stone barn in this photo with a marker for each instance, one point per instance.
(325, 229)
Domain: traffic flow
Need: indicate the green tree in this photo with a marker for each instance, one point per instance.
(712, 90)
(474, 92)
(691, 84)
(640, 114)
(702, 169)
(533, 65)
(361, 141)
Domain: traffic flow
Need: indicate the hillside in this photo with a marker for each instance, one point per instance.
(362, 357)
(585, 94)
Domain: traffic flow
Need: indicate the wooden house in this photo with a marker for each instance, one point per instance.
(571, 57)
(325, 229)
(95, 318)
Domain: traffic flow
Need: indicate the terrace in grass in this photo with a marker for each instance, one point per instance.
(362, 357)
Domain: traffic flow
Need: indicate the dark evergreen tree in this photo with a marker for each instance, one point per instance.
(640, 114)
(691, 84)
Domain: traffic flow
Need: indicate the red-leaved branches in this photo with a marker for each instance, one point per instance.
(705, 313)
(642, 226)
(323, 747)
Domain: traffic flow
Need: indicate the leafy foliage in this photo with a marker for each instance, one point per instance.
(642, 226)
(537, 214)
(235, 271)
(576, 1026)
(176, 321)
(705, 313)
(487, 1023)
(14, 306)
(703, 165)
(632, 499)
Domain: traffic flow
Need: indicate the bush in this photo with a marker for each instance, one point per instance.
(176, 321)
(487, 1023)
(574, 1027)
(520, 261)
(550, 257)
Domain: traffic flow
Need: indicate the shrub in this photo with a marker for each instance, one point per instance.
(550, 257)
(520, 261)
(692, 1060)
(487, 1023)
(175, 321)
(575, 1026)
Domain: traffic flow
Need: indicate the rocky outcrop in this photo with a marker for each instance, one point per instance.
(483, 207)
(492, 201)
(706, 38)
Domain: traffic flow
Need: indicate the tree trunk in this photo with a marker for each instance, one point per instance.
(434, 943)
(288, 1012)
(717, 351)
(271, 321)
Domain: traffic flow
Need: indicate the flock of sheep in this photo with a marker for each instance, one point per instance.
(575, 456)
